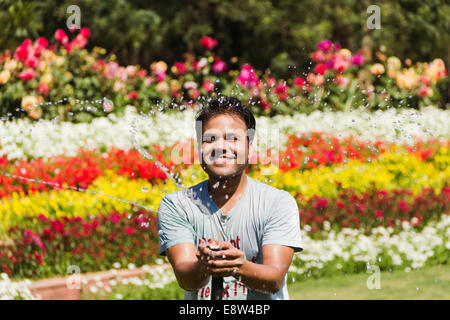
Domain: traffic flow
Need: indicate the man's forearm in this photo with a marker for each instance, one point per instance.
(191, 275)
(260, 277)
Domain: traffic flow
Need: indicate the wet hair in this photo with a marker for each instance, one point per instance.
(226, 105)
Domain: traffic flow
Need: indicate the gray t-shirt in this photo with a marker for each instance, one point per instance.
(264, 215)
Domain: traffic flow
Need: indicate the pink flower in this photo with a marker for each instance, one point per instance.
(72, 28)
(325, 45)
(199, 65)
(179, 68)
(61, 36)
(247, 77)
(271, 82)
(80, 41)
(318, 56)
(133, 95)
(357, 60)
(320, 68)
(86, 32)
(27, 74)
(208, 85)
(219, 66)
(43, 88)
(129, 231)
(194, 93)
(31, 61)
(208, 42)
(160, 75)
(115, 218)
(425, 91)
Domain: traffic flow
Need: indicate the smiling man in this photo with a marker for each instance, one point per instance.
(259, 224)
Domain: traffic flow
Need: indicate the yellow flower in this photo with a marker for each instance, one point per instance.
(46, 78)
(408, 79)
(162, 87)
(5, 75)
(10, 65)
(377, 69)
(174, 85)
(345, 52)
(160, 66)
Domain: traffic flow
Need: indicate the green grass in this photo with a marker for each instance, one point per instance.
(428, 283)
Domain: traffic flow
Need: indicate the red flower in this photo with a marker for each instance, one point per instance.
(129, 231)
(23, 50)
(379, 214)
(61, 36)
(42, 42)
(208, 42)
(340, 205)
(31, 62)
(57, 226)
(208, 85)
(38, 258)
(320, 68)
(133, 95)
(27, 74)
(282, 92)
(180, 68)
(300, 82)
(85, 32)
(43, 88)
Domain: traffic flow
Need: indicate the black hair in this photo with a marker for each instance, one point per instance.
(226, 105)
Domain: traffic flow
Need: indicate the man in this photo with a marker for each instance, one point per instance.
(259, 223)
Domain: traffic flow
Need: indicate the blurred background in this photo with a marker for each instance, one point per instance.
(362, 111)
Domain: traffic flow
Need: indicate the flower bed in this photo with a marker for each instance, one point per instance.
(350, 251)
(76, 80)
(42, 247)
(22, 139)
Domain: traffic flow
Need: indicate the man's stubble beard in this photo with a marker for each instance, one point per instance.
(212, 174)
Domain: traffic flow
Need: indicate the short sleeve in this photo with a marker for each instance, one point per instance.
(283, 224)
(173, 225)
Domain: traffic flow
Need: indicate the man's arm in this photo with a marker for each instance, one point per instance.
(265, 277)
(191, 274)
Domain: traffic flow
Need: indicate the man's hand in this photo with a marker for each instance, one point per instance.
(225, 262)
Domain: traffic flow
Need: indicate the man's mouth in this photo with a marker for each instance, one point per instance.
(223, 159)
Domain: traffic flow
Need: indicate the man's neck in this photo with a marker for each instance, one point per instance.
(223, 190)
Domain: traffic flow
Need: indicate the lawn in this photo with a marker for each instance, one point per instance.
(428, 283)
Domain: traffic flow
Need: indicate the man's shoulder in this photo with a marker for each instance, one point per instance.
(192, 191)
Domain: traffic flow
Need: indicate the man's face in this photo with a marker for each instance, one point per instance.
(224, 146)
